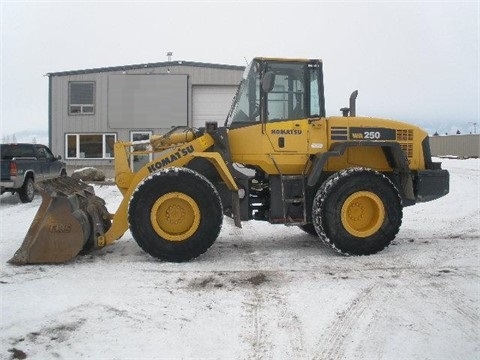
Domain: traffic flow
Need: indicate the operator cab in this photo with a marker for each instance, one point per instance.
(277, 90)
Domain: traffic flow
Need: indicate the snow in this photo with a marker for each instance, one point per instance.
(261, 292)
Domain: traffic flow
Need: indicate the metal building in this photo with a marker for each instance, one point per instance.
(90, 109)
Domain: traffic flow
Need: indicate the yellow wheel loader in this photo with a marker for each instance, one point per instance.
(278, 158)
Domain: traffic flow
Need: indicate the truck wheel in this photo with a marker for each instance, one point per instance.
(357, 211)
(175, 214)
(27, 191)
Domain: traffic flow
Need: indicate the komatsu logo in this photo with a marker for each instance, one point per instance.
(157, 165)
(286, 132)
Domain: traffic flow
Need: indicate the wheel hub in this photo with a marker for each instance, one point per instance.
(363, 214)
(175, 216)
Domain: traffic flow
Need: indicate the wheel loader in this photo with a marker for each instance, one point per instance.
(278, 158)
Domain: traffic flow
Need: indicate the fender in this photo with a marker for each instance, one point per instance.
(178, 156)
(127, 181)
(395, 157)
(29, 173)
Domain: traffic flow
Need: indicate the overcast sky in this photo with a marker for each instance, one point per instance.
(411, 61)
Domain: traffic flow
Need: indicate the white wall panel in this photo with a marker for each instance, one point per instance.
(211, 103)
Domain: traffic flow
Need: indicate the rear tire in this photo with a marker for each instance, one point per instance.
(27, 191)
(175, 214)
(357, 211)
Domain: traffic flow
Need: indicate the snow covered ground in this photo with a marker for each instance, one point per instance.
(261, 292)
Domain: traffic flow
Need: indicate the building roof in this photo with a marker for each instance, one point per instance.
(146, 66)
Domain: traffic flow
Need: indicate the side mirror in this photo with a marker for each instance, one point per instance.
(58, 157)
(268, 81)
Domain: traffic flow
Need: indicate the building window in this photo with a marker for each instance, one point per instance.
(137, 161)
(81, 98)
(89, 146)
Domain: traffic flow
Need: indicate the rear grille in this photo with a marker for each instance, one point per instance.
(407, 149)
(404, 135)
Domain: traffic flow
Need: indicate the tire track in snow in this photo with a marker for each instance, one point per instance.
(333, 344)
(257, 340)
(275, 334)
(61, 331)
(271, 335)
(466, 309)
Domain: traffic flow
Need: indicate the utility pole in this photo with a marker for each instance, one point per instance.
(474, 127)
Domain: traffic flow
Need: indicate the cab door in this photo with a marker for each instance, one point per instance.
(41, 167)
(50, 166)
(286, 103)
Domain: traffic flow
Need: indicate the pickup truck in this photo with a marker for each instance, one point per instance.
(23, 164)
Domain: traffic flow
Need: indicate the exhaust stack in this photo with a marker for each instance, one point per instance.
(352, 110)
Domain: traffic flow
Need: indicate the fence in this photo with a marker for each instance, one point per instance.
(456, 145)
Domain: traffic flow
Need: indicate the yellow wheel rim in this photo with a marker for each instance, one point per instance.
(363, 214)
(175, 216)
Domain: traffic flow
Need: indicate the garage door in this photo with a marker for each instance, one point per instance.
(211, 103)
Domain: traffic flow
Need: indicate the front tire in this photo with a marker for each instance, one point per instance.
(357, 211)
(175, 214)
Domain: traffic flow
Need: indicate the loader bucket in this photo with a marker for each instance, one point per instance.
(68, 221)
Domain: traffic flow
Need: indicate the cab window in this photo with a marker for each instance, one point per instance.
(287, 97)
(277, 91)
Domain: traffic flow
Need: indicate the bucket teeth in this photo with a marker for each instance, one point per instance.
(65, 186)
(69, 220)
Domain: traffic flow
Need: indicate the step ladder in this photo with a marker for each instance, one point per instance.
(291, 197)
